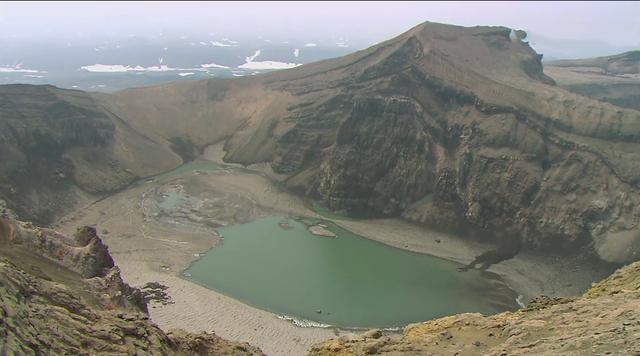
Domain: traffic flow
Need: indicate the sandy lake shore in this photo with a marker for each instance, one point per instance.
(148, 249)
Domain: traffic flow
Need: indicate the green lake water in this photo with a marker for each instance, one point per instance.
(352, 281)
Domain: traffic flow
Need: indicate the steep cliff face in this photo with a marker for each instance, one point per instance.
(449, 126)
(445, 137)
(606, 320)
(390, 132)
(60, 146)
(63, 295)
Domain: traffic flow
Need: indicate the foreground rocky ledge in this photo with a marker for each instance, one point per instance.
(63, 295)
(605, 320)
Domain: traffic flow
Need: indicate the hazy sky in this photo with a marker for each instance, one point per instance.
(361, 23)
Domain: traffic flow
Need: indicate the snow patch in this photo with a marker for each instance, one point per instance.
(220, 44)
(119, 68)
(255, 55)
(310, 45)
(17, 69)
(186, 74)
(213, 65)
(267, 65)
(225, 42)
(296, 52)
(251, 65)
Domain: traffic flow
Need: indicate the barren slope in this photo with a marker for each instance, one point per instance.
(449, 126)
(59, 148)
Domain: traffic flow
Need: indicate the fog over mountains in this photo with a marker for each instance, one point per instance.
(106, 48)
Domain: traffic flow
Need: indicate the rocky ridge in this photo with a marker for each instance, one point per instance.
(63, 295)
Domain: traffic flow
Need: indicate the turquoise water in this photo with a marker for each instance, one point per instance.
(347, 281)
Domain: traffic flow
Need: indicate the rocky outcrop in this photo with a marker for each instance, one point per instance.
(63, 295)
(39, 316)
(606, 320)
(83, 253)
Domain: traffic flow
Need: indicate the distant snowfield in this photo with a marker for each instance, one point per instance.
(220, 44)
(250, 64)
(119, 68)
(225, 42)
(266, 65)
(17, 69)
(213, 65)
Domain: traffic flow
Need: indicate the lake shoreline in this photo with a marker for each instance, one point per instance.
(150, 252)
(296, 273)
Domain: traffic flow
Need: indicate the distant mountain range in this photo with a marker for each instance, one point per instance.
(615, 79)
(110, 64)
(555, 49)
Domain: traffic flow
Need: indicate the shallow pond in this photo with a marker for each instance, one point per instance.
(347, 281)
